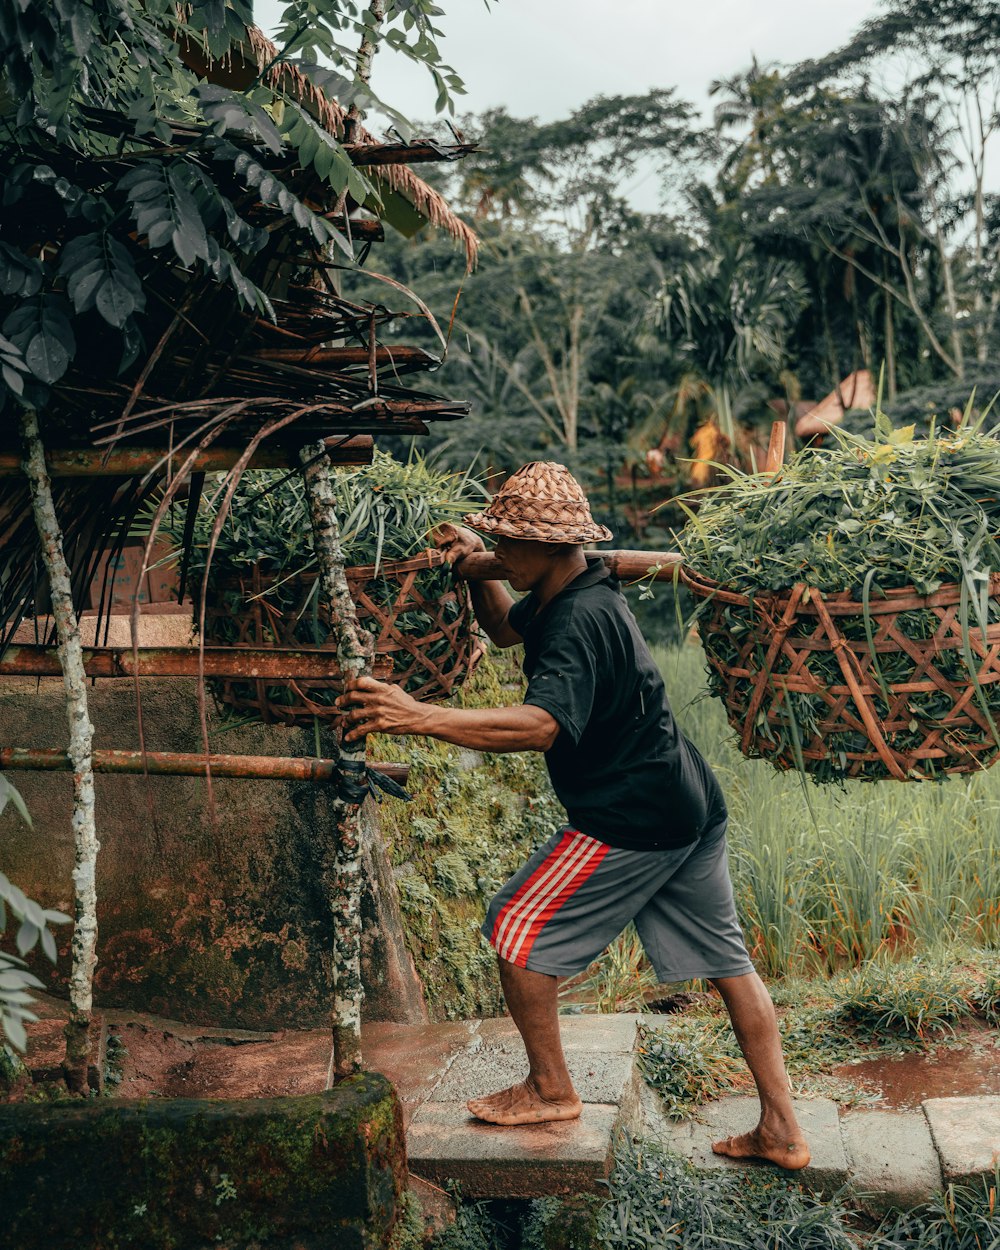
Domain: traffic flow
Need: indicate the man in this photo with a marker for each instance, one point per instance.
(647, 820)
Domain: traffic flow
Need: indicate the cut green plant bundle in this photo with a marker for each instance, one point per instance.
(262, 587)
(850, 604)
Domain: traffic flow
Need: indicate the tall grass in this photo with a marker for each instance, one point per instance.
(828, 878)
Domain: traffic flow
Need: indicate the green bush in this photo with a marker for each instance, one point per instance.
(916, 997)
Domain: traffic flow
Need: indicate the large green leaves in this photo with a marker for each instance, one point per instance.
(165, 209)
(100, 274)
(40, 329)
(226, 110)
(275, 194)
(317, 148)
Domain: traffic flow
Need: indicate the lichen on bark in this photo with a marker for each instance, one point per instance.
(81, 733)
(354, 657)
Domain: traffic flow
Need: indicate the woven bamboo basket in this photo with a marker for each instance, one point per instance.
(917, 697)
(424, 634)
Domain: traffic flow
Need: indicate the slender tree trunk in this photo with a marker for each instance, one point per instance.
(951, 302)
(354, 653)
(81, 734)
(889, 346)
(363, 66)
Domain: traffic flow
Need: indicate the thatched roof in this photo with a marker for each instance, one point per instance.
(288, 79)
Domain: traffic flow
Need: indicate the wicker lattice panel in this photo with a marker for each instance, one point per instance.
(809, 682)
(425, 638)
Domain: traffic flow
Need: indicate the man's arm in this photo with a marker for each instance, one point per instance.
(372, 706)
(490, 601)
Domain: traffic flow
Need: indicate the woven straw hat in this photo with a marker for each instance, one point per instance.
(543, 502)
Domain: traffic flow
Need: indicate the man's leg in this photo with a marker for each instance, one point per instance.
(777, 1136)
(547, 1093)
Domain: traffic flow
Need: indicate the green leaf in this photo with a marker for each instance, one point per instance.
(46, 357)
(41, 330)
(10, 794)
(100, 273)
(19, 274)
(115, 303)
(27, 937)
(165, 209)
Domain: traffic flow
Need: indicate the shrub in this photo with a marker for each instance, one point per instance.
(907, 998)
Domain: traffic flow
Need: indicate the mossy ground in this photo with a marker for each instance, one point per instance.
(473, 821)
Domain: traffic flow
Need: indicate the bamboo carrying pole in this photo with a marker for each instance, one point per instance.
(81, 735)
(628, 565)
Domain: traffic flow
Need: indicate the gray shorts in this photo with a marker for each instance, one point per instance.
(576, 894)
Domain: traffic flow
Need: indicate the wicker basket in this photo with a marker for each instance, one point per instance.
(425, 636)
(915, 715)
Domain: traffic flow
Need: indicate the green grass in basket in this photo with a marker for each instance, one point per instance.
(386, 510)
(913, 512)
(864, 516)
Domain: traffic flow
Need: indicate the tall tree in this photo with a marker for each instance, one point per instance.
(941, 58)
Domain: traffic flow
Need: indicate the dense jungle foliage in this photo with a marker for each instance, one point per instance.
(837, 215)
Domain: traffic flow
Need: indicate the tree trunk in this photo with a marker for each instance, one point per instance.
(951, 302)
(354, 652)
(81, 734)
(890, 347)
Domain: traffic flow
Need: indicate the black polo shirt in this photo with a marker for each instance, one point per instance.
(620, 766)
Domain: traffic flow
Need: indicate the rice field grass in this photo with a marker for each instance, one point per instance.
(830, 878)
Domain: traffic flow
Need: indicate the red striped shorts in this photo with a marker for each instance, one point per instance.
(576, 894)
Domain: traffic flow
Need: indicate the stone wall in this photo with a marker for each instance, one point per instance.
(214, 917)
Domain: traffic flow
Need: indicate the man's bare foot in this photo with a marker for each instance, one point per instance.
(523, 1104)
(789, 1152)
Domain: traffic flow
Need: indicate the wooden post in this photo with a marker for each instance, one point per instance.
(354, 655)
(776, 447)
(81, 735)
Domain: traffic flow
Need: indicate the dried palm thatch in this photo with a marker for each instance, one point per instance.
(247, 361)
(286, 77)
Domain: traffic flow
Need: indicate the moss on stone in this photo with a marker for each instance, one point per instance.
(473, 821)
(184, 1173)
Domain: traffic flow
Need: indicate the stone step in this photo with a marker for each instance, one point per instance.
(444, 1142)
(692, 1139)
(888, 1158)
(966, 1133)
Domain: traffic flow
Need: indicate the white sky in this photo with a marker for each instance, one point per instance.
(542, 59)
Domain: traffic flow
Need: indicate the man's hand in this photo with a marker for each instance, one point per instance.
(457, 542)
(372, 706)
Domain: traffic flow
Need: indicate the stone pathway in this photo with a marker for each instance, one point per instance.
(896, 1158)
(890, 1158)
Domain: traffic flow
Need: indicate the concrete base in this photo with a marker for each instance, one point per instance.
(692, 1139)
(966, 1134)
(183, 1174)
(890, 1157)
